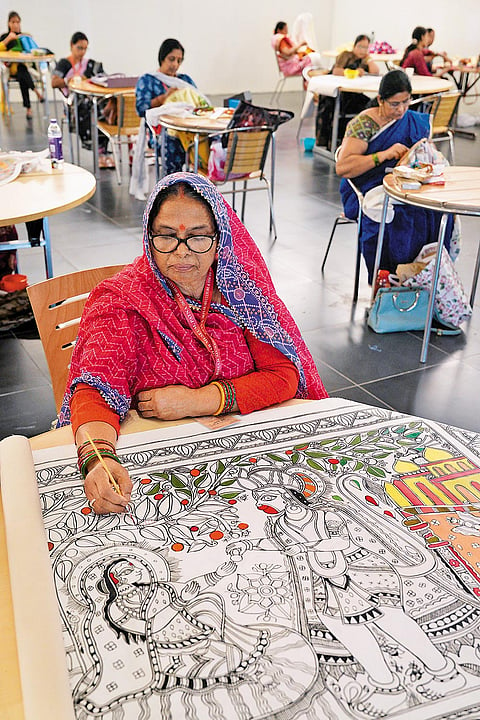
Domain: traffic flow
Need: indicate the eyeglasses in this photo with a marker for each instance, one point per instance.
(169, 243)
(396, 105)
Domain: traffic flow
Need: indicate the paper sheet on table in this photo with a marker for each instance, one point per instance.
(41, 653)
(328, 84)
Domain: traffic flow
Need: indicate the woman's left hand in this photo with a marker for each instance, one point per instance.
(175, 402)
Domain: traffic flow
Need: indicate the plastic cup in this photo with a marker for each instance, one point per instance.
(350, 73)
(308, 144)
(410, 71)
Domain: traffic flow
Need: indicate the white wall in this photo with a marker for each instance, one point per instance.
(456, 24)
(227, 42)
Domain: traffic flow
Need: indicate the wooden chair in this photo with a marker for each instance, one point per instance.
(443, 110)
(128, 126)
(341, 219)
(246, 154)
(57, 306)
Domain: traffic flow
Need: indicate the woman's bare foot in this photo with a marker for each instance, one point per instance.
(29, 113)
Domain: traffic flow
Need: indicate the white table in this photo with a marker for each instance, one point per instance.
(79, 87)
(460, 195)
(36, 195)
(334, 85)
(12, 56)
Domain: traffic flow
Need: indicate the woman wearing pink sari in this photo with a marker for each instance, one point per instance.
(193, 327)
(292, 58)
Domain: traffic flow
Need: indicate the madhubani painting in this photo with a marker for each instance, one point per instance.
(315, 561)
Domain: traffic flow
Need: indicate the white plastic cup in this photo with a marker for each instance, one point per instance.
(409, 71)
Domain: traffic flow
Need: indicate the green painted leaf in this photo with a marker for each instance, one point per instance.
(376, 472)
(337, 497)
(229, 495)
(176, 482)
(315, 465)
(220, 468)
(277, 458)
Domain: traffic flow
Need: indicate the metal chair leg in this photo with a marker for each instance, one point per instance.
(338, 219)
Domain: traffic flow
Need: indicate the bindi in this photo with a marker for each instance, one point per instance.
(181, 227)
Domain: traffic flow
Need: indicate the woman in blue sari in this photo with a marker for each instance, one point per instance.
(374, 141)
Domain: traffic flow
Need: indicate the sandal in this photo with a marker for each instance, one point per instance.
(106, 163)
(29, 114)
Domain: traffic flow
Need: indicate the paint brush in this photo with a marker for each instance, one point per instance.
(113, 482)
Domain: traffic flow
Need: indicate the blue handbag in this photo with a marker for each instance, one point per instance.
(397, 309)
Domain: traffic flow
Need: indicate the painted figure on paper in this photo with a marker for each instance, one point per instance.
(349, 589)
(180, 644)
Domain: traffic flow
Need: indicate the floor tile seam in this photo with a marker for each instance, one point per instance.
(399, 374)
(26, 390)
(351, 382)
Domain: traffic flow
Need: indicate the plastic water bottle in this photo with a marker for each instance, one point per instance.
(54, 134)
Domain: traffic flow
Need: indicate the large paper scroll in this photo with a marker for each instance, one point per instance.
(41, 651)
(313, 561)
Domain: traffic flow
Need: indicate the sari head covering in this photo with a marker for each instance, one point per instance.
(241, 276)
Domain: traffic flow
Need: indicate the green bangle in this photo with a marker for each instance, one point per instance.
(376, 159)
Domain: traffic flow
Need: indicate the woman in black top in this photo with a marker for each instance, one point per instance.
(12, 41)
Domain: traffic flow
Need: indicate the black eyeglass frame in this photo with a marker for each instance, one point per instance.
(212, 239)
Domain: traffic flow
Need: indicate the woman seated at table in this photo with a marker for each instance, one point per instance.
(374, 141)
(430, 53)
(155, 89)
(417, 55)
(77, 65)
(11, 40)
(351, 103)
(292, 57)
(193, 327)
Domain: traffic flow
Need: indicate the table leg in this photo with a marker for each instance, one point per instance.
(75, 110)
(163, 149)
(94, 122)
(330, 154)
(378, 254)
(195, 157)
(272, 174)
(475, 278)
(47, 249)
(433, 289)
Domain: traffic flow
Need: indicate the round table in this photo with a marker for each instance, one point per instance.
(200, 122)
(334, 85)
(12, 56)
(80, 87)
(460, 195)
(36, 195)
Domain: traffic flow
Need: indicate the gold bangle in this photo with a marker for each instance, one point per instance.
(223, 400)
(376, 159)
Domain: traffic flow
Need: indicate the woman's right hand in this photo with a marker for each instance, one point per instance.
(99, 491)
(394, 152)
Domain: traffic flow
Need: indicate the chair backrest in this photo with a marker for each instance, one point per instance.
(127, 123)
(127, 114)
(355, 189)
(57, 305)
(247, 150)
(443, 109)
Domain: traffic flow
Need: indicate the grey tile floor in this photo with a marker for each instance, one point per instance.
(354, 362)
